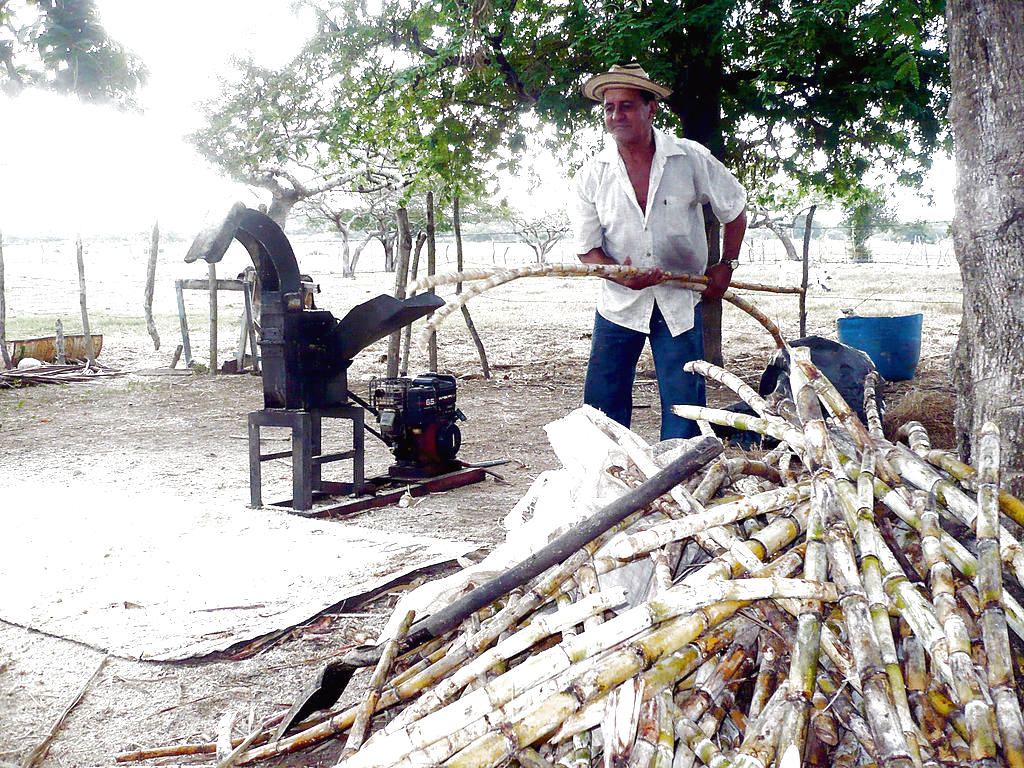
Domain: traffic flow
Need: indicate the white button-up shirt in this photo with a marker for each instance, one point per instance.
(605, 213)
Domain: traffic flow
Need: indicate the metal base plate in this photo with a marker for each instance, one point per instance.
(385, 491)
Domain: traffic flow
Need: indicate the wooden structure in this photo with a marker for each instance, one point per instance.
(248, 331)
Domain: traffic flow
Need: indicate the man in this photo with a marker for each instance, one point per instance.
(639, 202)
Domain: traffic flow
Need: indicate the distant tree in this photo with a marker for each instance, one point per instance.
(542, 232)
(60, 45)
(867, 212)
(293, 132)
(987, 63)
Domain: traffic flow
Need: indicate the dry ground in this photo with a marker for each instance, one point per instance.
(184, 434)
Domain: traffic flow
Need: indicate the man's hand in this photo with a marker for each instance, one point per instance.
(649, 278)
(719, 276)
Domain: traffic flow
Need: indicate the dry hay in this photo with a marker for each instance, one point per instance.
(928, 399)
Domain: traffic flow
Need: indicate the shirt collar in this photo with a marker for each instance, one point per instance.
(663, 145)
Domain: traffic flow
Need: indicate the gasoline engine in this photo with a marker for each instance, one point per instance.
(417, 421)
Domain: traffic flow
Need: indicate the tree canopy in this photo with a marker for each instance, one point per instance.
(819, 89)
(446, 91)
(60, 45)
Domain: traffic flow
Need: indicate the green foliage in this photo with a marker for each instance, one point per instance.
(60, 45)
(438, 95)
(866, 213)
(818, 90)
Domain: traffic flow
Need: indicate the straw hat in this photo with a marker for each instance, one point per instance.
(628, 76)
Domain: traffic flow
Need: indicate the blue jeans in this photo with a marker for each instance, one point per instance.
(614, 353)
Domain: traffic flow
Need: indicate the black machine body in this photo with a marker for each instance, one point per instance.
(305, 352)
(417, 419)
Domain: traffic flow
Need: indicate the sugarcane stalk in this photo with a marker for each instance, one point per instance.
(627, 546)
(578, 568)
(871, 410)
(664, 748)
(497, 745)
(559, 659)
(768, 676)
(661, 677)
(880, 710)
(804, 659)
(868, 543)
(741, 555)
(954, 551)
(757, 749)
(990, 588)
(849, 714)
(921, 475)
(538, 629)
(981, 725)
(365, 711)
(739, 387)
(809, 412)
(650, 647)
(743, 421)
(966, 475)
(574, 270)
(917, 438)
(689, 282)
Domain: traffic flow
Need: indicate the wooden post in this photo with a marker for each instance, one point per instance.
(186, 343)
(90, 353)
(3, 311)
(250, 321)
(213, 318)
(806, 263)
(240, 357)
(457, 225)
(431, 269)
(58, 342)
(154, 249)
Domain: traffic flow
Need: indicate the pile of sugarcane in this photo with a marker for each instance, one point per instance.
(838, 601)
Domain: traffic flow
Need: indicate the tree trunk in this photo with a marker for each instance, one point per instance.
(154, 251)
(414, 270)
(470, 325)
(5, 357)
(431, 269)
(401, 273)
(280, 207)
(388, 242)
(90, 352)
(711, 311)
(986, 51)
(806, 269)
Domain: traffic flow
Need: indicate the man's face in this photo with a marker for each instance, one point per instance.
(627, 116)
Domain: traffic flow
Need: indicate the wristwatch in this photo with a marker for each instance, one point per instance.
(730, 263)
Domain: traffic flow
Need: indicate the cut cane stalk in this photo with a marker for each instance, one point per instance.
(990, 591)
(879, 707)
(628, 546)
(804, 660)
(871, 410)
(966, 475)
(981, 726)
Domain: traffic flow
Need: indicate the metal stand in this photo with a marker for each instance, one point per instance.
(306, 446)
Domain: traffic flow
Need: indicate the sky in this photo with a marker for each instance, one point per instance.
(68, 168)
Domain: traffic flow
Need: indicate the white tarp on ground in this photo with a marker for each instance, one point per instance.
(154, 577)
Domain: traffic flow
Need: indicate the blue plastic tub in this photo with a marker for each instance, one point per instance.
(892, 343)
